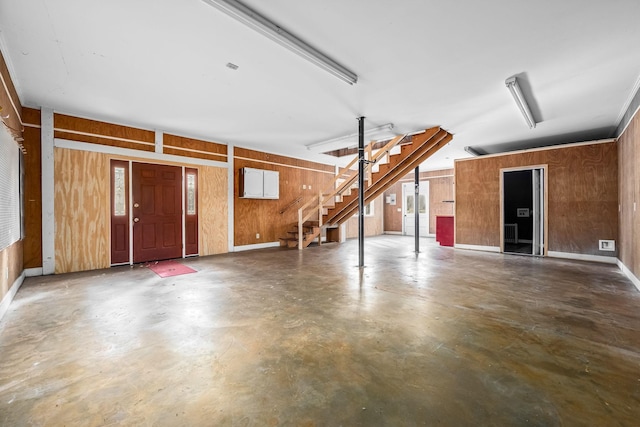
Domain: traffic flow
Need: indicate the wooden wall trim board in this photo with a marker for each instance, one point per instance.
(284, 165)
(127, 152)
(9, 101)
(535, 150)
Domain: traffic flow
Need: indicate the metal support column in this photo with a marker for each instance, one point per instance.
(361, 163)
(416, 206)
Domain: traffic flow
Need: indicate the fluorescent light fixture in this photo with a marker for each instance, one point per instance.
(253, 19)
(354, 136)
(514, 88)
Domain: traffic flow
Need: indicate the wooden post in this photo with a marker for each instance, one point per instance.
(300, 229)
(320, 218)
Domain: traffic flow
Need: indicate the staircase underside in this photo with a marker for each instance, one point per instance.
(421, 147)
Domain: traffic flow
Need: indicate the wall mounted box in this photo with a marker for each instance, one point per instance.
(259, 184)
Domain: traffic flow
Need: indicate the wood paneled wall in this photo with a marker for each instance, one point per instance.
(582, 196)
(96, 132)
(440, 196)
(11, 259)
(373, 225)
(32, 189)
(213, 210)
(10, 106)
(82, 220)
(263, 217)
(629, 194)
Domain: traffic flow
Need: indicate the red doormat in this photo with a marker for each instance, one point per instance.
(170, 268)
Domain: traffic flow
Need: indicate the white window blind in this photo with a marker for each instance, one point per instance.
(9, 190)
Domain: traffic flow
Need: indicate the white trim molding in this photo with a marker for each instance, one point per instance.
(478, 248)
(629, 274)
(8, 297)
(48, 208)
(583, 257)
(256, 246)
(33, 272)
(129, 153)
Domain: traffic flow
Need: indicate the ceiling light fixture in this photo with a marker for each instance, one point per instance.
(514, 88)
(253, 19)
(354, 136)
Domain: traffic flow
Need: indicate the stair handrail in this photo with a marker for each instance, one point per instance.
(352, 176)
(286, 208)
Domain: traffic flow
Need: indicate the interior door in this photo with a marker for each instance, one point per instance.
(409, 206)
(157, 212)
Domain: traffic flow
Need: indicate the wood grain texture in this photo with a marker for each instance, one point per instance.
(440, 190)
(178, 145)
(75, 128)
(212, 210)
(582, 197)
(11, 261)
(281, 160)
(32, 196)
(629, 192)
(31, 116)
(81, 210)
(263, 217)
(12, 117)
(373, 225)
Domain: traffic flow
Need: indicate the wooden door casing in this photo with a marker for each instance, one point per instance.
(157, 212)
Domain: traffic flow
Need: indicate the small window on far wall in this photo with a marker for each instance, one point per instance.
(119, 193)
(368, 209)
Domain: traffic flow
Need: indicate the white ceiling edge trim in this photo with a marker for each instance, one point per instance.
(627, 103)
(130, 153)
(626, 126)
(531, 150)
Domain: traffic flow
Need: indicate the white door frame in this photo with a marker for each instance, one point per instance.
(409, 188)
(541, 208)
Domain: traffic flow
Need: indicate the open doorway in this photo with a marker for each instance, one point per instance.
(523, 219)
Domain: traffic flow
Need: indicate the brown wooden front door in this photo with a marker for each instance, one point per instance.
(157, 212)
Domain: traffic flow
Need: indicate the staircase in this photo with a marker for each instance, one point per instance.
(338, 203)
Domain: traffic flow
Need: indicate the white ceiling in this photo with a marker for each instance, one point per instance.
(161, 64)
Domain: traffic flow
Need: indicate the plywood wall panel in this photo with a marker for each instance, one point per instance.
(11, 261)
(32, 197)
(97, 132)
(81, 210)
(269, 158)
(213, 210)
(262, 217)
(582, 196)
(373, 225)
(179, 145)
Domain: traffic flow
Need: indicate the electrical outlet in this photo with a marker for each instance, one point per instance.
(257, 235)
(309, 187)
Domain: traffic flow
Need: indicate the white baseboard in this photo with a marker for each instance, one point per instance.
(583, 257)
(256, 246)
(6, 301)
(33, 272)
(478, 247)
(629, 274)
(398, 233)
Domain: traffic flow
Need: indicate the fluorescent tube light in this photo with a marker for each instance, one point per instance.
(514, 88)
(471, 151)
(354, 136)
(253, 19)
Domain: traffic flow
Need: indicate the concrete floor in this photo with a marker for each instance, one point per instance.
(282, 337)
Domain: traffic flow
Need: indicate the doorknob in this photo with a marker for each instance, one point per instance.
(136, 205)
(136, 219)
